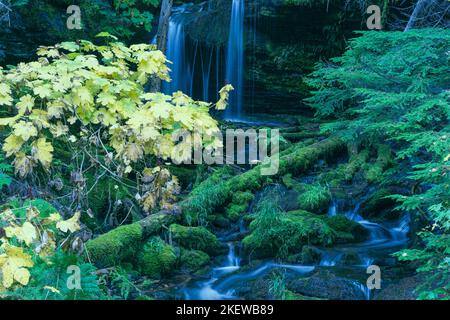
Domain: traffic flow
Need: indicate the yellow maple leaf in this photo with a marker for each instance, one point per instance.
(71, 224)
(12, 145)
(42, 152)
(26, 233)
(55, 110)
(59, 129)
(25, 104)
(82, 96)
(224, 94)
(13, 266)
(9, 121)
(4, 89)
(180, 99)
(43, 91)
(25, 130)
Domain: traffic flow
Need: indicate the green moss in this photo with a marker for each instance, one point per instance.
(241, 197)
(193, 260)
(379, 205)
(290, 295)
(217, 190)
(198, 238)
(346, 172)
(383, 162)
(115, 246)
(156, 258)
(315, 198)
(290, 182)
(206, 197)
(346, 230)
(285, 233)
(234, 211)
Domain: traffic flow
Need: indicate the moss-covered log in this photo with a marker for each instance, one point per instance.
(216, 191)
(121, 244)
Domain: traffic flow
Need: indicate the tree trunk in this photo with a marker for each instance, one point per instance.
(161, 37)
(421, 4)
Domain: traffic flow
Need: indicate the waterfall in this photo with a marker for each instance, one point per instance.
(180, 74)
(196, 67)
(235, 60)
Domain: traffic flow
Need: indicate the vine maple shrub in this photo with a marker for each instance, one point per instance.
(85, 94)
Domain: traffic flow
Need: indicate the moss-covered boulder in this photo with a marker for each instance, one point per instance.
(286, 234)
(378, 205)
(197, 238)
(193, 260)
(239, 205)
(219, 220)
(308, 255)
(346, 230)
(156, 258)
(242, 197)
(315, 198)
(115, 246)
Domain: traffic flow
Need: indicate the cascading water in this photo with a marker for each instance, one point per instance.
(235, 60)
(196, 68)
(206, 289)
(176, 53)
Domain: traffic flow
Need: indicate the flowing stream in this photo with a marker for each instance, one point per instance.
(382, 240)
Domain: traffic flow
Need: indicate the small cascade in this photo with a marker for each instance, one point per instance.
(363, 288)
(354, 214)
(233, 260)
(330, 259)
(332, 210)
(366, 261)
(206, 289)
(235, 60)
(400, 232)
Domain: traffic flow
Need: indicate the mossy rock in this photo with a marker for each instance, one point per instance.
(309, 255)
(197, 238)
(193, 260)
(235, 211)
(157, 258)
(288, 233)
(115, 246)
(346, 229)
(291, 183)
(239, 205)
(378, 205)
(242, 197)
(218, 220)
(315, 198)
